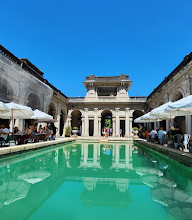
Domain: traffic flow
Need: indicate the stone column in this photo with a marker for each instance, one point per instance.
(113, 126)
(58, 116)
(83, 126)
(95, 134)
(167, 124)
(127, 122)
(86, 123)
(65, 124)
(188, 124)
(117, 121)
(130, 126)
(99, 125)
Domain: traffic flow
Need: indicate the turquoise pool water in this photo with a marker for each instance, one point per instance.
(94, 181)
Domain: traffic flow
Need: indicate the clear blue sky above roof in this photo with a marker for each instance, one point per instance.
(69, 40)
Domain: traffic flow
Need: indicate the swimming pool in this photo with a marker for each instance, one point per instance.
(94, 181)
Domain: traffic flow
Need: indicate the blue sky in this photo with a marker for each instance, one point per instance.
(71, 39)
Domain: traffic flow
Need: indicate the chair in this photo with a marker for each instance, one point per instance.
(178, 142)
(186, 141)
(2, 143)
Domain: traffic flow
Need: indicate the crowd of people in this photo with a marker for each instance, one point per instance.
(107, 132)
(161, 136)
(48, 132)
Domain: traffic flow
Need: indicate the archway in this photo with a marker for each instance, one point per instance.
(6, 91)
(33, 101)
(52, 110)
(180, 120)
(137, 114)
(76, 121)
(106, 120)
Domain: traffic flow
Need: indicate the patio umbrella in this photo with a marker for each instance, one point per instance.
(13, 190)
(17, 112)
(181, 107)
(3, 108)
(41, 115)
(34, 176)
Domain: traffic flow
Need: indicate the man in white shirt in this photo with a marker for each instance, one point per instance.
(153, 134)
(3, 132)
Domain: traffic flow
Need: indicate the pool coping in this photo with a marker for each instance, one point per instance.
(177, 155)
(9, 150)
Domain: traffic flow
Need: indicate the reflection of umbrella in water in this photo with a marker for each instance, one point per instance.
(169, 195)
(153, 180)
(12, 191)
(34, 176)
(181, 210)
(148, 170)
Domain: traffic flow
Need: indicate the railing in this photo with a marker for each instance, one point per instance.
(9, 55)
(107, 97)
(138, 97)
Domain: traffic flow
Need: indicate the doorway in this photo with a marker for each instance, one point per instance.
(122, 128)
(91, 127)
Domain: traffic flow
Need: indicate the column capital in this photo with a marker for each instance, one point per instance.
(127, 109)
(117, 109)
(95, 109)
(86, 109)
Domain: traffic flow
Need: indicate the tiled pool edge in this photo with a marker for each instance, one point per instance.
(4, 151)
(177, 155)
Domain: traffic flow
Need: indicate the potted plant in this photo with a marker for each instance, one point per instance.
(67, 131)
(135, 130)
(75, 130)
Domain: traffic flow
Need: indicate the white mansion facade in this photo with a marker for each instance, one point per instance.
(106, 97)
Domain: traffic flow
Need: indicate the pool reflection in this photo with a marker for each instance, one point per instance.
(106, 171)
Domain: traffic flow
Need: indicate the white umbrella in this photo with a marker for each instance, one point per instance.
(160, 112)
(41, 115)
(181, 107)
(17, 112)
(3, 108)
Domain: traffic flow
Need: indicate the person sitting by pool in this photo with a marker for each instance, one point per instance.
(16, 130)
(27, 131)
(161, 135)
(4, 131)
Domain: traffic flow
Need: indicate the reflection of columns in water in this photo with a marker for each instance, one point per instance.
(127, 153)
(95, 149)
(56, 157)
(117, 156)
(85, 155)
(82, 151)
(113, 151)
